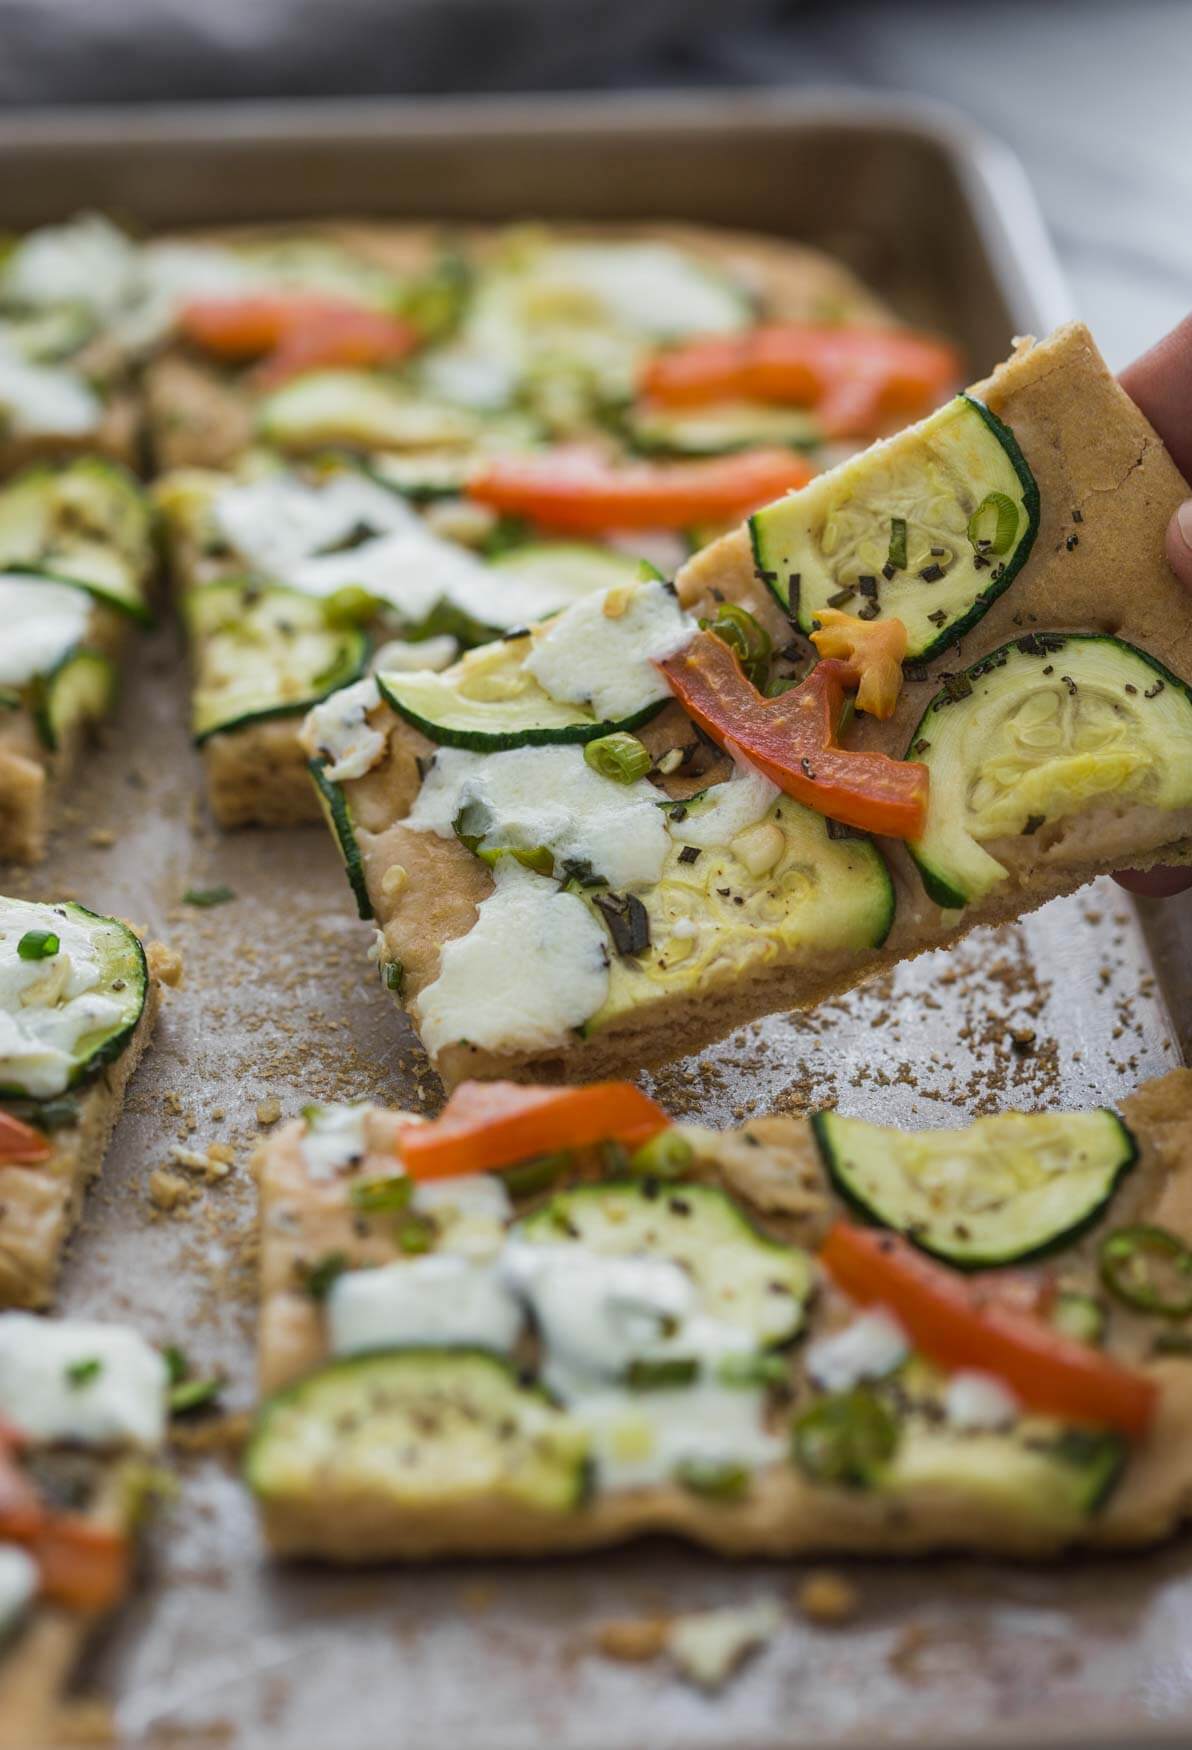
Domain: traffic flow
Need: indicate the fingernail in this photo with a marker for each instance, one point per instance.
(1183, 519)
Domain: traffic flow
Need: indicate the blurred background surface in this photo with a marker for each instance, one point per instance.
(1093, 94)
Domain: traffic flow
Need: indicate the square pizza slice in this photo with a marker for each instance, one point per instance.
(288, 577)
(76, 563)
(82, 1420)
(647, 820)
(79, 995)
(551, 1320)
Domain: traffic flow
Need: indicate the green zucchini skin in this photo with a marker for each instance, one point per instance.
(938, 887)
(349, 650)
(711, 1218)
(339, 818)
(127, 963)
(368, 1387)
(983, 599)
(81, 687)
(824, 1128)
(124, 524)
(483, 741)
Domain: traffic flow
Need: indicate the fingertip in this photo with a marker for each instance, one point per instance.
(1154, 883)
(1179, 542)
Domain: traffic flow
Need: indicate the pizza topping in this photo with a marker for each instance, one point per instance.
(487, 1126)
(584, 494)
(65, 1012)
(792, 739)
(333, 1140)
(442, 1299)
(21, 1144)
(1148, 1268)
(338, 731)
(77, 1381)
(859, 380)
(43, 622)
(533, 966)
(549, 800)
(872, 652)
(956, 1326)
(295, 332)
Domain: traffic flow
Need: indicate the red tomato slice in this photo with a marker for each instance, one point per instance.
(486, 1125)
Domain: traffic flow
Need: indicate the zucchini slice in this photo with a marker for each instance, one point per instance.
(720, 430)
(572, 568)
(75, 1042)
(1042, 729)
(1003, 1189)
(928, 527)
(79, 689)
(51, 335)
(364, 410)
(87, 523)
(745, 1277)
(1057, 1477)
(493, 698)
(415, 1429)
(338, 815)
(263, 653)
(713, 918)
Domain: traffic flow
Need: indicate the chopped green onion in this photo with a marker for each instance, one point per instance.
(177, 1365)
(745, 1371)
(1079, 1316)
(1004, 514)
(319, 1278)
(471, 824)
(530, 1177)
(81, 1373)
(745, 636)
(416, 1235)
(845, 1438)
(661, 1374)
(535, 857)
(195, 1394)
(648, 572)
(1148, 1268)
(718, 1480)
(393, 976)
(666, 1156)
(204, 896)
(38, 945)
(350, 606)
(379, 1196)
(620, 757)
(897, 554)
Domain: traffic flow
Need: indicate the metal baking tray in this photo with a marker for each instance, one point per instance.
(221, 1646)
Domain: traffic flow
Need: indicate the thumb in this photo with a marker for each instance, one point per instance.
(1179, 543)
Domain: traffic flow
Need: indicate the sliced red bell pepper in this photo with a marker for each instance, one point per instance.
(20, 1143)
(858, 379)
(792, 739)
(579, 493)
(295, 333)
(84, 1566)
(956, 1324)
(486, 1125)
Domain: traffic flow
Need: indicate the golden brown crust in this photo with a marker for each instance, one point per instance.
(773, 1166)
(117, 437)
(1092, 452)
(40, 1205)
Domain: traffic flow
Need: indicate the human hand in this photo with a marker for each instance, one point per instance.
(1160, 383)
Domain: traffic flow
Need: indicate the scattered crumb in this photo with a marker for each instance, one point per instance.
(101, 837)
(170, 1191)
(709, 1645)
(827, 1597)
(268, 1110)
(633, 1640)
(478, 1597)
